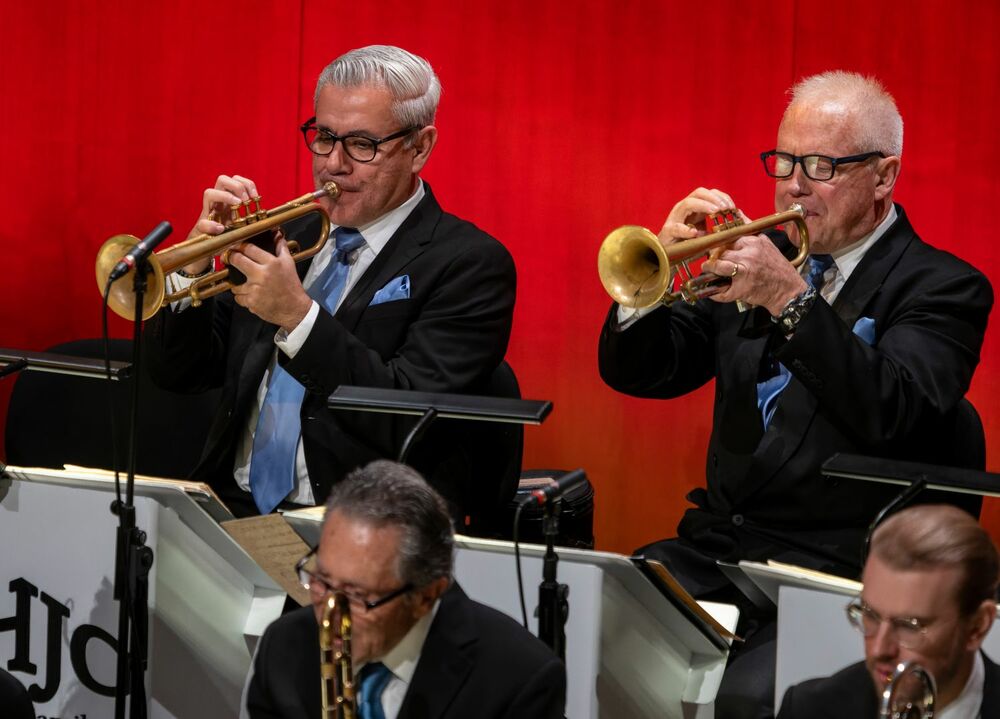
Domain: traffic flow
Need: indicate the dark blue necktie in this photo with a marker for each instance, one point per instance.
(770, 389)
(276, 439)
(374, 678)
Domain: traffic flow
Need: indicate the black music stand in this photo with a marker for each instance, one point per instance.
(16, 360)
(431, 405)
(913, 476)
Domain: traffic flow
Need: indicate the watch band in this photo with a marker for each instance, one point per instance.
(795, 310)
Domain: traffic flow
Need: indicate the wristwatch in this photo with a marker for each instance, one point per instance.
(795, 310)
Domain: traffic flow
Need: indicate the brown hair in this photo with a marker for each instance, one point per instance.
(935, 535)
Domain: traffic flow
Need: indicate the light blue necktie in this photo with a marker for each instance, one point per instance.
(374, 678)
(276, 439)
(770, 389)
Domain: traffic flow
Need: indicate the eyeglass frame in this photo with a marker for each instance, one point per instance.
(800, 161)
(857, 610)
(368, 605)
(310, 124)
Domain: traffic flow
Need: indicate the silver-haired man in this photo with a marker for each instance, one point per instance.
(868, 348)
(404, 295)
(421, 647)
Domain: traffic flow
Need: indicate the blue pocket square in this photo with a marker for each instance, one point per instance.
(865, 329)
(396, 289)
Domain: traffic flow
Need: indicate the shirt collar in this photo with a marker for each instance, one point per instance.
(378, 232)
(847, 258)
(402, 659)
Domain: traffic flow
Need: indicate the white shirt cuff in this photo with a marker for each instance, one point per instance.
(291, 342)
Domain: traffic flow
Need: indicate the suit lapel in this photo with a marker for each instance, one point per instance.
(446, 660)
(406, 243)
(871, 273)
(991, 690)
(797, 406)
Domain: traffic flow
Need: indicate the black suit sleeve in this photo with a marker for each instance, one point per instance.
(788, 709)
(260, 703)
(664, 354)
(455, 339)
(926, 349)
(543, 696)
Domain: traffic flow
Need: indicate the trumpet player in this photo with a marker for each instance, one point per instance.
(420, 646)
(869, 348)
(403, 295)
(930, 591)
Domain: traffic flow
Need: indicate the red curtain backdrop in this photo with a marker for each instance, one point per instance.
(559, 122)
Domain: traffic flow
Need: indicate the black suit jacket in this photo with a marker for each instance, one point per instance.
(896, 397)
(448, 336)
(14, 698)
(476, 662)
(849, 693)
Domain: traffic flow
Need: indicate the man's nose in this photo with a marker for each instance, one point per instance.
(337, 162)
(798, 184)
(884, 643)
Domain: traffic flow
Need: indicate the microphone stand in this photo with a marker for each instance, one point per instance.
(133, 558)
(553, 597)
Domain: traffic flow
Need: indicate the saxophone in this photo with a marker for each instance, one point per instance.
(336, 674)
(910, 693)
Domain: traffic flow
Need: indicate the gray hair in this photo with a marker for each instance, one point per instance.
(929, 536)
(410, 80)
(879, 124)
(385, 493)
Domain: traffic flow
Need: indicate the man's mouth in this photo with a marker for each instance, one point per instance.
(885, 672)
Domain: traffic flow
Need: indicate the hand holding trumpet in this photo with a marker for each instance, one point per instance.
(760, 274)
(640, 269)
(272, 290)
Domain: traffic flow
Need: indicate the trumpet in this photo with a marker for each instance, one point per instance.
(910, 694)
(638, 271)
(253, 221)
(336, 673)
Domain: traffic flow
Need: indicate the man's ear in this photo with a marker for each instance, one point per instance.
(886, 174)
(424, 142)
(425, 597)
(980, 623)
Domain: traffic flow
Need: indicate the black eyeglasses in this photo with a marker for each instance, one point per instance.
(817, 167)
(306, 569)
(358, 147)
(910, 632)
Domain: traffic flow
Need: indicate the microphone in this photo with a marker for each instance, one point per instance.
(141, 251)
(556, 489)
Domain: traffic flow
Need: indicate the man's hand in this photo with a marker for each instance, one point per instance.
(215, 204)
(687, 219)
(272, 291)
(760, 274)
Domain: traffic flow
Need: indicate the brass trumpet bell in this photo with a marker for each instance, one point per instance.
(637, 270)
(240, 228)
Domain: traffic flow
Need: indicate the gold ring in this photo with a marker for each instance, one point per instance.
(736, 269)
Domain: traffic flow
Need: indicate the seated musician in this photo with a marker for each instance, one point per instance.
(868, 348)
(423, 648)
(929, 597)
(402, 296)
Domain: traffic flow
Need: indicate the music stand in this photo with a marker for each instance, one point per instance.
(914, 476)
(62, 364)
(430, 405)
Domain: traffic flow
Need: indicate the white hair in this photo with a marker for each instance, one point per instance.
(879, 124)
(410, 80)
